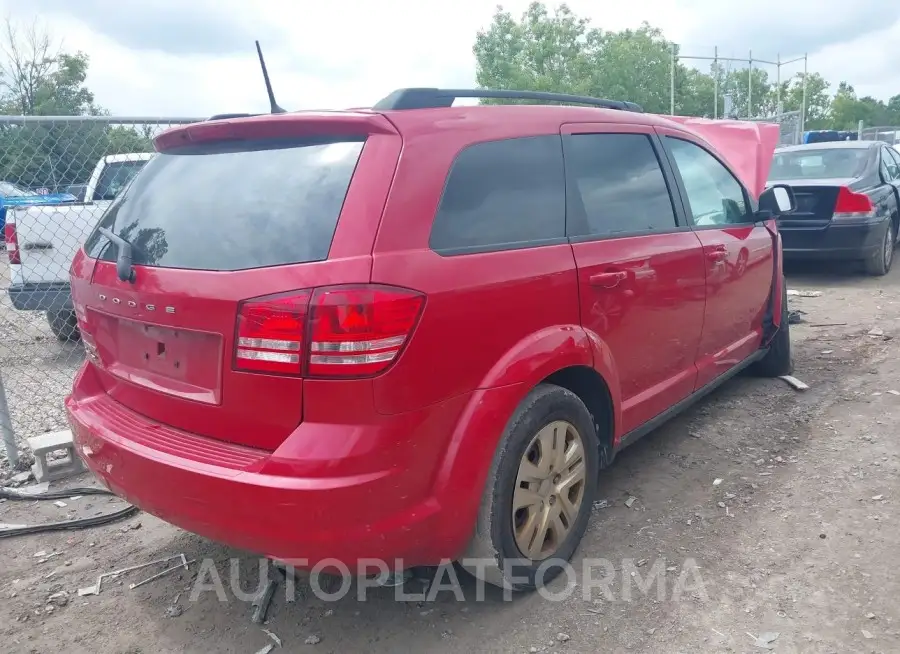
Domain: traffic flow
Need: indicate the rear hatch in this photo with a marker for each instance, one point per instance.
(230, 214)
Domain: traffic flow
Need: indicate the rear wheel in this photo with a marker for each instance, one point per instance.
(880, 262)
(64, 325)
(537, 500)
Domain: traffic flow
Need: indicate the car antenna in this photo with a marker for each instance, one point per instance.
(275, 109)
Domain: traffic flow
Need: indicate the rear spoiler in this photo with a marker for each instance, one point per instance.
(747, 145)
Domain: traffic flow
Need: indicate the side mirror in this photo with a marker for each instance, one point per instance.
(778, 199)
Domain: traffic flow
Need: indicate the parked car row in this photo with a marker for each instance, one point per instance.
(419, 331)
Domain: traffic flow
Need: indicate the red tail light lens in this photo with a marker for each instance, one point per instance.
(336, 331)
(358, 331)
(270, 334)
(12, 241)
(850, 204)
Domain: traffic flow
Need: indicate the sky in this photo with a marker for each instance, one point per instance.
(193, 58)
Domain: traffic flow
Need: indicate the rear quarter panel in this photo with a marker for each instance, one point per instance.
(490, 319)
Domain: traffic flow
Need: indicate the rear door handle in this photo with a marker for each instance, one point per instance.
(718, 254)
(608, 279)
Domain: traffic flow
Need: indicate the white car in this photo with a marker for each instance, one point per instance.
(41, 242)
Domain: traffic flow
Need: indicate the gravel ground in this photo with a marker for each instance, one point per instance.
(37, 369)
(766, 516)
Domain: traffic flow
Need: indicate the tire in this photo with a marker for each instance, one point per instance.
(879, 263)
(64, 326)
(548, 415)
(779, 359)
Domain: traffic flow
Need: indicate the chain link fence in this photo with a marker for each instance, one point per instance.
(890, 135)
(790, 125)
(57, 176)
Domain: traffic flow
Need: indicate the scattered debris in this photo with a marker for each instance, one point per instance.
(265, 650)
(797, 293)
(95, 589)
(562, 637)
(765, 640)
(878, 498)
(829, 324)
(870, 616)
(60, 504)
(313, 640)
(21, 477)
(893, 392)
(601, 504)
(717, 481)
(630, 501)
(876, 331)
(721, 505)
(795, 317)
(184, 564)
(867, 634)
(794, 382)
(34, 489)
(275, 639)
(827, 351)
(262, 602)
(174, 611)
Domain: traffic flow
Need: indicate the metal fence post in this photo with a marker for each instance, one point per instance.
(9, 437)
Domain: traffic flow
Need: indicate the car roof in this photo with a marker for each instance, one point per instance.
(537, 117)
(831, 145)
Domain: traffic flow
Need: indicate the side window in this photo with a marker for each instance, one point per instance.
(889, 168)
(615, 185)
(501, 195)
(715, 196)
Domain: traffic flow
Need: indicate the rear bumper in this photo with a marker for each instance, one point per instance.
(249, 499)
(43, 296)
(844, 242)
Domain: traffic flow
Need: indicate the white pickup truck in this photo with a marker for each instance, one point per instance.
(41, 242)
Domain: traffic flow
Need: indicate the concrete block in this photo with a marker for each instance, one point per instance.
(46, 469)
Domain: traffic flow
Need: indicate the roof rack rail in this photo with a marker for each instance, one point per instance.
(428, 98)
(238, 115)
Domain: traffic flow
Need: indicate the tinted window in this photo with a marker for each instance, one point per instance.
(234, 206)
(816, 163)
(115, 176)
(616, 185)
(503, 193)
(713, 193)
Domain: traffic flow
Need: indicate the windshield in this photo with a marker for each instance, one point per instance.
(115, 177)
(233, 206)
(831, 163)
(9, 190)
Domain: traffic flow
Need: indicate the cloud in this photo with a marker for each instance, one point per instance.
(195, 58)
(170, 26)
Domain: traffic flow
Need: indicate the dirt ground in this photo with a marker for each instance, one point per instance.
(795, 544)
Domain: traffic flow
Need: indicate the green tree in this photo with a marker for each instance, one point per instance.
(38, 79)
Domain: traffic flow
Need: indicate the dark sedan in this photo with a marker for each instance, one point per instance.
(848, 202)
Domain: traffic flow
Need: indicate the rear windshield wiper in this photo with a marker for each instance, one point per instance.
(124, 267)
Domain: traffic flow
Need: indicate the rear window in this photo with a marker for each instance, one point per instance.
(233, 206)
(115, 176)
(830, 163)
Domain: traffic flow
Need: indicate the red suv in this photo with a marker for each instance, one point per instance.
(420, 331)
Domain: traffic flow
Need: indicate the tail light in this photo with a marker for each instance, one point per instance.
(336, 331)
(852, 206)
(12, 240)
